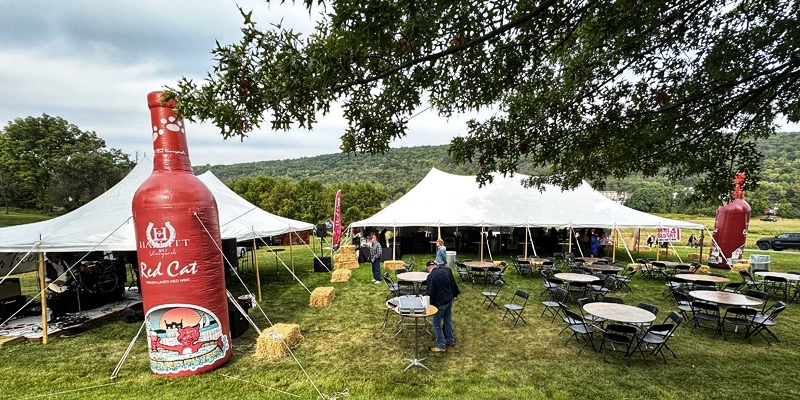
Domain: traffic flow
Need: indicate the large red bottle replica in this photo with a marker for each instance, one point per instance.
(180, 265)
(730, 228)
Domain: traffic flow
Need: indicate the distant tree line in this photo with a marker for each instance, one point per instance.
(50, 165)
(310, 200)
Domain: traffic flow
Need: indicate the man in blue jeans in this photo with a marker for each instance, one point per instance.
(442, 289)
(375, 254)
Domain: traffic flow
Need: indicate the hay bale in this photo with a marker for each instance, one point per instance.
(270, 344)
(704, 269)
(345, 261)
(392, 265)
(322, 296)
(741, 266)
(341, 275)
(635, 266)
(347, 249)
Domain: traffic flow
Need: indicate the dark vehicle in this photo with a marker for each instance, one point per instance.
(769, 218)
(780, 242)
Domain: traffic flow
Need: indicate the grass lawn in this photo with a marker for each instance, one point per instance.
(346, 355)
(18, 218)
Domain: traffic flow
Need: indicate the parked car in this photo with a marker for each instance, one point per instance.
(769, 218)
(782, 241)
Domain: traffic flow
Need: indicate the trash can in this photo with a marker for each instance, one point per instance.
(451, 259)
(759, 262)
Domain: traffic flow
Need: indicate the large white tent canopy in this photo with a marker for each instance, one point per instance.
(443, 199)
(106, 223)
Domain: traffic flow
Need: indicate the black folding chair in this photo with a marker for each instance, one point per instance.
(580, 329)
(656, 337)
(617, 335)
(738, 317)
(762, 322)
(516, 306)
(491, 295)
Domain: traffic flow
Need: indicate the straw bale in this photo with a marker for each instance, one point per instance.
(345, 261)
(635, 266)
(347, 249)
(668, 252)
(392, 265)
(341, 275)
(704, 269)
(322, 296)
(270, 344)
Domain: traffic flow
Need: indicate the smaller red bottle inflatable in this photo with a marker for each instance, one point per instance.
(176, 222)
(730, 228)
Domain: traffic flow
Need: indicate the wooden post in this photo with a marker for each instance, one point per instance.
(702, 242)
(614, 245)
(255, 265)
(569, 248)
(291, 252)
(394, 243)
(527, 232)
(43, 291)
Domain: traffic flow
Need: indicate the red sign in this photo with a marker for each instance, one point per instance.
(337, 219)
(669, 235)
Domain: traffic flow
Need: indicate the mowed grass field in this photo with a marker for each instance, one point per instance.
(346, 355)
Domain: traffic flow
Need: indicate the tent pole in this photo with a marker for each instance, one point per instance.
(394, 243)
(569, 248)
(658, 245)
(702, 237)
(291, 252)
(481, 252)
(255, 265)
(525, 253)
(43, 291)
(614, 244)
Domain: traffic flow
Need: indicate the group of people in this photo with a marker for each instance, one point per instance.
(594, 240)
(440, 286)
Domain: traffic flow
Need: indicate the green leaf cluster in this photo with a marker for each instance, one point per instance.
(583, 90)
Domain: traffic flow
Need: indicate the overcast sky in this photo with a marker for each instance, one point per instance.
(93, 63)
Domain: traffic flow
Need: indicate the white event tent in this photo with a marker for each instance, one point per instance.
(106, 223)
(443, 199)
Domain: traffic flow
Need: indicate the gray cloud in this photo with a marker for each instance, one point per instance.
(93, 62)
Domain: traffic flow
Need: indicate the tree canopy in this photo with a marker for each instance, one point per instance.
(46, 163)
(584, 89)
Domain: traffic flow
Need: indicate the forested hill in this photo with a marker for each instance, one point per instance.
(401, 167)
(404, 167)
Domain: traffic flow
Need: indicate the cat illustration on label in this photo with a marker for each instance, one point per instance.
(187, 339)
(183, 331)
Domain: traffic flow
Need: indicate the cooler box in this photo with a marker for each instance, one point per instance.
(759, 262)
(451, 259)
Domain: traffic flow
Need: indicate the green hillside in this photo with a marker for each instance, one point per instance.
(404, 167)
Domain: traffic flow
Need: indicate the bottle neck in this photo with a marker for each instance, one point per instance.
(170, 150)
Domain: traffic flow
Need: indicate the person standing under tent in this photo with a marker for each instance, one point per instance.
(375, 254)
(594, 243)
(441, 253)
(442, 289)
(650, 240)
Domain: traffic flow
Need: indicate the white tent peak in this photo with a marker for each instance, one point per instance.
(106, 223)
(444, 199)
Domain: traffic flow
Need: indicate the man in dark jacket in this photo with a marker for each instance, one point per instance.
(442, 289)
